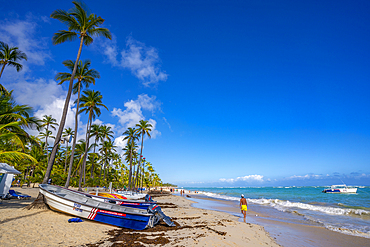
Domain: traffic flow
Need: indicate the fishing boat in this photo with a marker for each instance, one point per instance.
(120, 200)
(85, 206)
(341, 188)
(131, 195)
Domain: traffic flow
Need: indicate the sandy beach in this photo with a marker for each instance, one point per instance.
(194, 227)
(284, 233)
(200, 221)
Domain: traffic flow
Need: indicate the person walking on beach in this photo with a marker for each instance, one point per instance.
(243, 206)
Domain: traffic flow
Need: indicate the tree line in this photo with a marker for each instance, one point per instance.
(71, 162)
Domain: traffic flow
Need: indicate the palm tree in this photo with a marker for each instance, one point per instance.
(51, 122)
(85, 76)
(96, 132)
(10, 111)
(131, 137)
(12, 133)
(143, 127)
(81, 151)
(90, 103)
(106, 133)
(107, 149)
(14, 119)
(67, 132)
(84, 26)
(9, 57)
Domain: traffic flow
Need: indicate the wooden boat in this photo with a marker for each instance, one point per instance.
(85, 206)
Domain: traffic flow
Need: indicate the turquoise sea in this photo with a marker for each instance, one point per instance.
(345, 213)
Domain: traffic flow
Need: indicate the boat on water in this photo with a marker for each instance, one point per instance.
(87, 207)
(341, 188)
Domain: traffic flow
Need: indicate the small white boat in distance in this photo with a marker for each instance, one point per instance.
(342, 188)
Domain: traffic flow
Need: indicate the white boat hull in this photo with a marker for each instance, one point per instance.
(342, 189)
(84, 207)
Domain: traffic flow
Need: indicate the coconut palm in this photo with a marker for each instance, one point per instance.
(106, 133)
(143, 128)
(107, 149)
(85, 76)
(10, 111)
(90, 103)
(96, 133)
(131, 137)
(66, 134)
(49, 122)
(83, 26)
(9, 57)
(13, 136)
(81, 151)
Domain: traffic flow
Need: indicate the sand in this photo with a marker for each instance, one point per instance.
(195, 227)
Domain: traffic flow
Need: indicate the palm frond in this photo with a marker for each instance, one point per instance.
(100, 32)
(63, 36)
(18, 66)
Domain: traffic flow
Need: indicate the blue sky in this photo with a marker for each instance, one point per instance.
(240, 93)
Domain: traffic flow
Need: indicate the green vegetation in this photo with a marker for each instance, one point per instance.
(91, 163)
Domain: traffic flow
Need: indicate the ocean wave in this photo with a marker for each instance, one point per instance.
(284, 205)
(348, 231)
(218, 196)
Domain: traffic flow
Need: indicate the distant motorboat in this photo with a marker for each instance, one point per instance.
(86, 206)
(341, 188)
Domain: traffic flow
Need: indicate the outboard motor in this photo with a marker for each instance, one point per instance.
(148, 198)
(155, 209)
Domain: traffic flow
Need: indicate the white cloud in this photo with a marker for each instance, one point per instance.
(132, 115)
(307, 176)
(134, 110)
(48, 101)
(141, 60)
(22, 33)
(248, 178)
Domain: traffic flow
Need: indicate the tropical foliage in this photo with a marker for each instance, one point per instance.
(91, 161)
(9, 56)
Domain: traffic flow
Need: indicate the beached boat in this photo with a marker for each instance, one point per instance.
(120, 200)
(131, 195)
(342, 188)
(85, 206)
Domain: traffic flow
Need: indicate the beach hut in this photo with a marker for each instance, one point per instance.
(6, 177)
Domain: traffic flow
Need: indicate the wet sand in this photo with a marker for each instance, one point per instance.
(285, 234)
(194, 227)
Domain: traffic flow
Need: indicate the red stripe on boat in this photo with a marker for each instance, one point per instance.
(110, 212)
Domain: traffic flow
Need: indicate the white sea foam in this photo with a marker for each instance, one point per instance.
(284, 205)
(306, 210)
(347, 231)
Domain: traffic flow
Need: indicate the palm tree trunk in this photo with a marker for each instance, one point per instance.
(2, 69)
(130, 173)
(82, 173)
(46, 144)
(74, 140)
(64, 116)
(141, 154)
(92, 165)
(65, 164)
